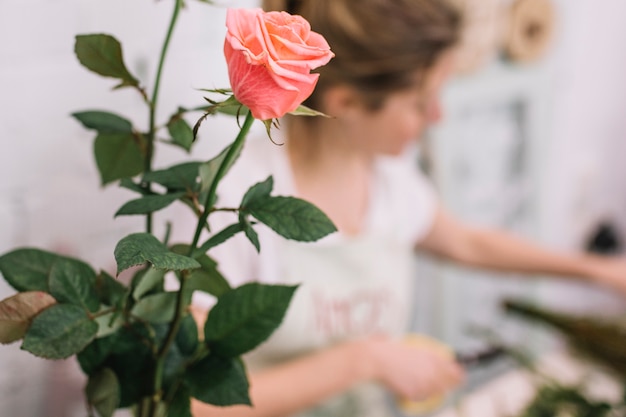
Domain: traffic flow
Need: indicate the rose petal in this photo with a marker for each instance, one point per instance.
(270, 56)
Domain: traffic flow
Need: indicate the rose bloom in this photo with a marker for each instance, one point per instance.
(270, 56)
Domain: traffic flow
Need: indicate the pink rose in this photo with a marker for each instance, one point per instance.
(270, 56)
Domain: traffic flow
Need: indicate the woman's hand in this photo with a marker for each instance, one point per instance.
(608, 271)
(413, 371)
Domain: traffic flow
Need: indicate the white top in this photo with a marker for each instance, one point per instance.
(350, 286)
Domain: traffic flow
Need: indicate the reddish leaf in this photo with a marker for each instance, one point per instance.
(17, 312)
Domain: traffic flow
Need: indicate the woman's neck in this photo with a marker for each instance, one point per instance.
(330, 172)
(322, 149)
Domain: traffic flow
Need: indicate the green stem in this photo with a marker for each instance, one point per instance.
(169, 340)
(153, 102)
(160, 361)
(228, 159)
(102, 313)
(180, 298)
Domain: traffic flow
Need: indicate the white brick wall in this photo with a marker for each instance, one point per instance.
(586, 174)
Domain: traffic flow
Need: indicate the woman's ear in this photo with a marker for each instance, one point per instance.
(341, 101)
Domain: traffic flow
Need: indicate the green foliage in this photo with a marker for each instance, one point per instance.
(103, 392)
(110, 291)
(245, 317)
(208, 170)
(138, 248)
(181, 133)
(156, 308)
(290, 217)
(251, 234)
(102, 54)
(149, 281)
(258, 192)
(303, 110)
(28, 269)
(180, 406)
(137, 343)
(148, 204)
(181, 177)
(222, 236)
(600, 339)
(104, 122)
(129, 354)
(219, 381)
(187, 337)
(207, 278)
(59, 332)
(74, 283)
(556, 400)
(118, 155)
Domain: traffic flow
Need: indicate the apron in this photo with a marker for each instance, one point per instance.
(349, 287)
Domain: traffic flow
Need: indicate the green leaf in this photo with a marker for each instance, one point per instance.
(181, 403)
(291, 217)
(102, 54)
(218, 381)
(137, 248)
(222, 236)
(17, 312)
(208, 170)
(181, 133)
(245, 317)
(109, 290)
(117, 156)
(148, 204)
(178, 177)
(74, 282)
(103, 392)
(174, 365)
(156, 308)
(234, 109)
(252, 235)
(132, 186)
(103, 122)
(268, 128)
(207, 278)
(258, 191)
(128, 353)
(231, 106)
(187, 336)
(108, 324)
(92, 358)
(151, 280)
(27, 269)
(306, 111)
(59, 332)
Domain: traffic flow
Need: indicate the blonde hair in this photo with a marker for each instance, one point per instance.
(379, 45)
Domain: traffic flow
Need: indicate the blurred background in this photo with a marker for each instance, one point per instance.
(532, 140)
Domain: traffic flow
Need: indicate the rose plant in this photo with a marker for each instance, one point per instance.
(137, 342)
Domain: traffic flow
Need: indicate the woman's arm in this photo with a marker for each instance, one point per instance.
(498, 250)
(302, 383)
(296, 385)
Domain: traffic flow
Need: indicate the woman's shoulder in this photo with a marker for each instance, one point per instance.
(401, 171)
(406, 200)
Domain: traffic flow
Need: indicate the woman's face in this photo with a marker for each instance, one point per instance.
(404, 116)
